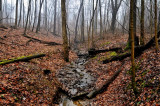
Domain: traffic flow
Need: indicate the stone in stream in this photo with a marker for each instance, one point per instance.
(75, 79)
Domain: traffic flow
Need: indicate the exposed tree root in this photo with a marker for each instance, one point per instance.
(23, 58)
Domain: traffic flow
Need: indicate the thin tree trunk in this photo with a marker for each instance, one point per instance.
(0, 11)
(20, 13)
(16, 15)
(82, 25)
(93, 25)
(91, 21)
(55, 17)
(64, 31)
(151, 19)
(29, 6)
(101, 26)
(142, 23)
(23, 14)
(156, 39)
(39, 17)
(76, 28)
(132, 44)
(35, 15)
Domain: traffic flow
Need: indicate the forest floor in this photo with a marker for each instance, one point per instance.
(31, 83)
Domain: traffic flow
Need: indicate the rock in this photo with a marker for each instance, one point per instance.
(78, 70)
(73, 91)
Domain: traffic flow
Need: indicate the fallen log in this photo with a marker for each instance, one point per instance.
(40, 41)
(3, 27)
(103, 87)
(138, 51)
(95, 52)
(23, 58)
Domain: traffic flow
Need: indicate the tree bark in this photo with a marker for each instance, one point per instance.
(76, 28)
(29, 7)
(39, 17)
(16, 15)
(142, 23)
(20, 13)
(23, 58)
(115, 8)
(35, 15)
(155, 20)
(64, 31)
(0, 11)
(55, 17)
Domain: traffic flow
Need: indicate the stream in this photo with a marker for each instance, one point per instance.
(76, 82)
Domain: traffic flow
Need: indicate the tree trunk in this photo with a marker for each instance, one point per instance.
(134, 26)
(142, 23)
(20, 13)
(93, 25)
(156, 39)
(16, 15)
(35, 15)
(55, 17)
(0, 11)
(131, 27)
(29, 7)
(82, 25)
(91, 21)
(115, 8)
(23, 58)
(101, 26)
(76, 28)
(64, 31)
(39, 17)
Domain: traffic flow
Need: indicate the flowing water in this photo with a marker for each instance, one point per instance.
(77, 81)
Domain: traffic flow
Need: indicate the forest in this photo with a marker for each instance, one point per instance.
(80, 52)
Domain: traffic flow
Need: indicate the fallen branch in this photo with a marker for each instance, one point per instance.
(94, 52)
(103, 87)
(40, 41)
(23, 58)
(138, 51)
(4, 27)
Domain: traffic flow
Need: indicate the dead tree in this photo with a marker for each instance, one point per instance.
(39, 17)
(16, 15)
(0, 11)
(115, 7)
(55, 17)
(29, 7)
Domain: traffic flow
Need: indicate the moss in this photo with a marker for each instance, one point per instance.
(105, 43)
(127, 46)
(5, 61)
(113, 54)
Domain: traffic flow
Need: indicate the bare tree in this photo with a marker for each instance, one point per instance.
(115, 8)
(64, 31)
(155, 20)
(131, 27)
(20, 13)
(39, 17)
(0, 11)
(55, 17)
(142, 23)
(76, 28)
(82, 25)
(35, 14)
(16, 15)
(101, 26)
(29, 7)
